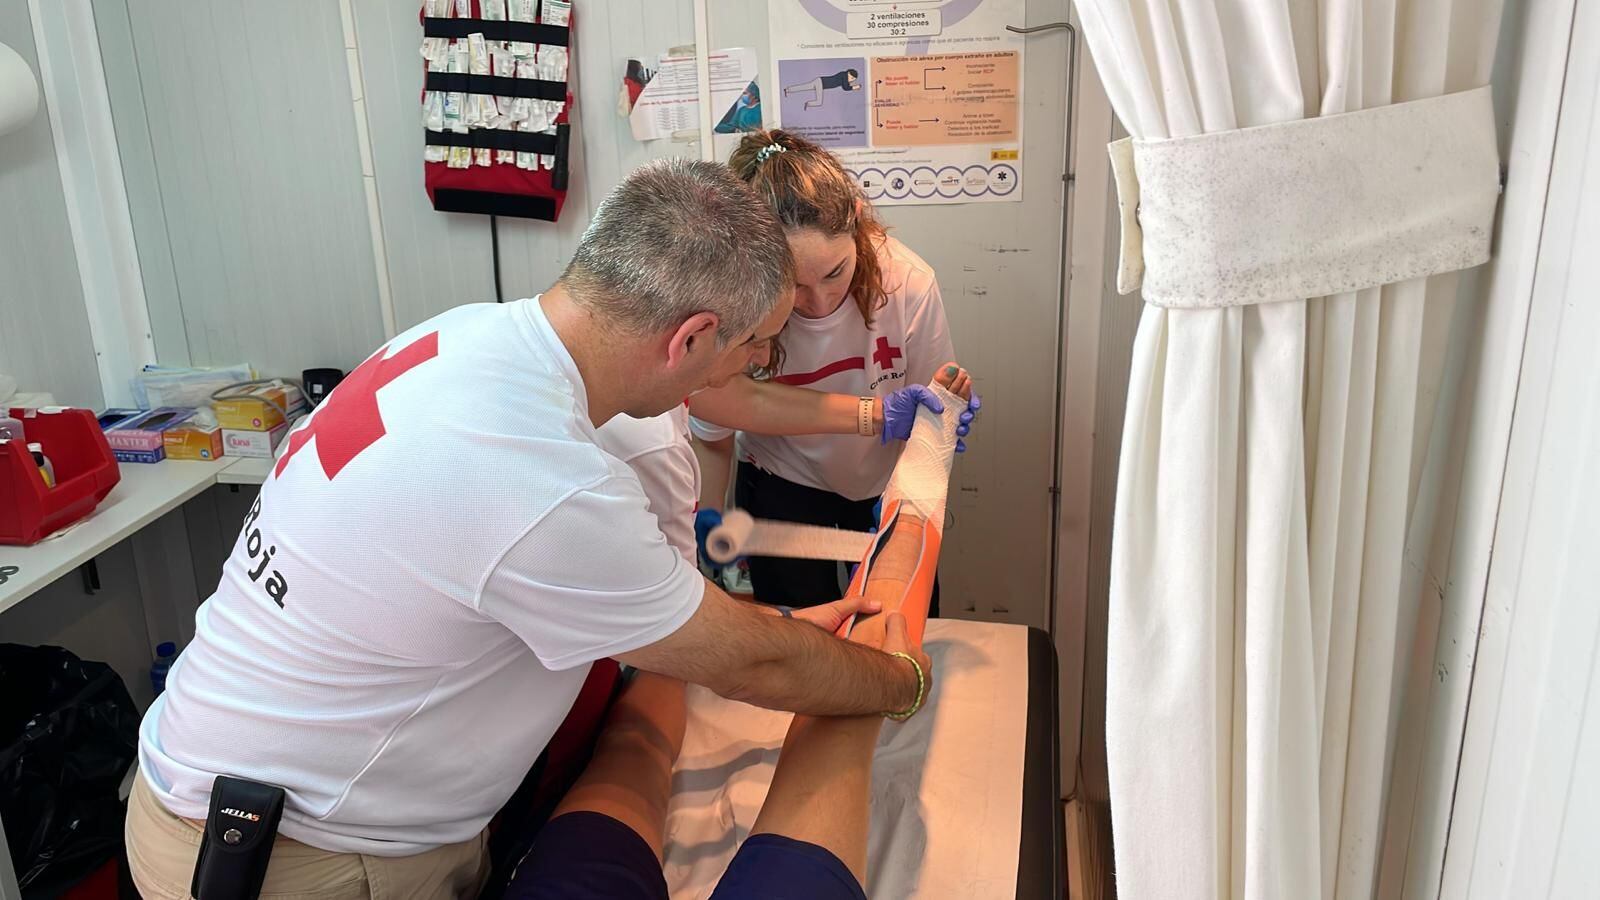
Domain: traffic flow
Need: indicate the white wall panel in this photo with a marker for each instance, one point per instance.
(119, 59)
(439, 260)
(257, 181)
(1525, 821)
(44, 330)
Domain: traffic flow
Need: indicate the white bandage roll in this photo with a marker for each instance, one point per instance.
(740, 534)
(724, 541)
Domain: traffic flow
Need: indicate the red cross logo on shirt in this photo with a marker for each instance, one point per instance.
(885, 355)
(352, 421)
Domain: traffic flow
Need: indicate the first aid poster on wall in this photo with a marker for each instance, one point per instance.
(922, 101)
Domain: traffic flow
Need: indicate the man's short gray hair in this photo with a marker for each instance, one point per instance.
(679, 237)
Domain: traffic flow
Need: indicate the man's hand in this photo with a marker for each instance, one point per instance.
(829, 616)
(897, 639)
(745, 654)
(890, 634)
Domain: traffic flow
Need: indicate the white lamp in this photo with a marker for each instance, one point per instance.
(19, 91)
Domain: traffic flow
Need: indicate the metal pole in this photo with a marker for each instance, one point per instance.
(1062, 290)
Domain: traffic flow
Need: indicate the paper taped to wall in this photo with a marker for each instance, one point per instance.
(669, 101)
(922, 104)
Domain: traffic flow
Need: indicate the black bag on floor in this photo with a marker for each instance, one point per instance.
(68, 733)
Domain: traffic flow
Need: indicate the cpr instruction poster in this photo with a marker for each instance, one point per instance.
(921, 100)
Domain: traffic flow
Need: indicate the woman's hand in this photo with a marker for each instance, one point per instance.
(964, 423)
(900, 410)
(959, 381)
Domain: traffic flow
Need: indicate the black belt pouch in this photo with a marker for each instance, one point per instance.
(237, 842)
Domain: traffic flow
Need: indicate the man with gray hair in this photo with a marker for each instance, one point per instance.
(442, 550)
(675, 239)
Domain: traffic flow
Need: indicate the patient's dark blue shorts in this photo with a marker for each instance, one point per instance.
(583, 855)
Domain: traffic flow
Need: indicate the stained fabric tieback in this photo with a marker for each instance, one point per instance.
(1311, 207)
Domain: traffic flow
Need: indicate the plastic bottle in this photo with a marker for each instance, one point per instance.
(47, 469)
(11, 429)
(166, 653)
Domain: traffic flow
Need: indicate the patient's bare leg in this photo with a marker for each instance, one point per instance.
(821, 787)
(819, 791)
(630, 776)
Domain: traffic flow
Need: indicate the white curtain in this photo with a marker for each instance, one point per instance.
(1270, 462)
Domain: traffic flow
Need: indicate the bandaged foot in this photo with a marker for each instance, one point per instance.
(921, 479)
(899, 567)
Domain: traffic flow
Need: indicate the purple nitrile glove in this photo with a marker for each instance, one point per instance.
(900, 410)
(706, 521)
(964, 423)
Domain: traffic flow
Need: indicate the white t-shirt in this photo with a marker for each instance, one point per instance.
(415, 598)
(658, 451)
(908, 341)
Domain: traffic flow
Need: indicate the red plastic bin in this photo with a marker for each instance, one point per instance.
(85, 471)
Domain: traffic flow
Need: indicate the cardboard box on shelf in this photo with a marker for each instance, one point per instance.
(253, 444)
(254, 412)
(193, 442)
(141, 438)
(111, 418)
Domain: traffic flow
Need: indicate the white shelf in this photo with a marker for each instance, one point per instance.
(245, 471)
(146, 492)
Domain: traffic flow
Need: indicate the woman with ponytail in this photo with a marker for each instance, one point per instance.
(868, 323)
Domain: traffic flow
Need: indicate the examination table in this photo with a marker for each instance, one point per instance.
(966, 794)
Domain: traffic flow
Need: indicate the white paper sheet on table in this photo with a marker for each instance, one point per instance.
(946, 785)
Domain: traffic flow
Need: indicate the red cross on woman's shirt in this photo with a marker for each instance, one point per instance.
(885, 355)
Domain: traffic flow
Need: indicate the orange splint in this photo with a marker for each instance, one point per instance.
(919, 588)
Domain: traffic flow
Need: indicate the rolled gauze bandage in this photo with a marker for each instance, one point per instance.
(742, 535)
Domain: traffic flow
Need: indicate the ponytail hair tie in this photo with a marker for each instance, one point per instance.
(766, 152)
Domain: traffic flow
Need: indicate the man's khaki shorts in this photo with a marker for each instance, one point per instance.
(162, 849)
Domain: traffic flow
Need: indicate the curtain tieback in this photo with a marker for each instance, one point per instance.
(1310, 207)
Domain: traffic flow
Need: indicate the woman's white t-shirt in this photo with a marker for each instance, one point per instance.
(908, 341)
(658, 451)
